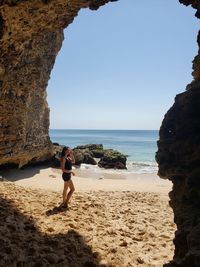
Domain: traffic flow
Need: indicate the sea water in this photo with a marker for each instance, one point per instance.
(139, 145)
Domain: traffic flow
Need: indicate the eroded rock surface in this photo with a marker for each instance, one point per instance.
(31, 35)
(179, 160)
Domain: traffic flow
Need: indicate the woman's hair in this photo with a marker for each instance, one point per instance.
(64, 150)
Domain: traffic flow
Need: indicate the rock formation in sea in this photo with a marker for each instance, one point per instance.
(109, 158)
(112, 159)
(87, 153)
(31, 35)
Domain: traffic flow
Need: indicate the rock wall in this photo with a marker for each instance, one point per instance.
(179, 160)
(31, 35)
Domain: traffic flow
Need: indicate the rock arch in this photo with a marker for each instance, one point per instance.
(31, 35)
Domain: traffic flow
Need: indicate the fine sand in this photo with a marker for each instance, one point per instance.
(110, 222)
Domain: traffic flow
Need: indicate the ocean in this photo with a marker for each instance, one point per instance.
(139, 145)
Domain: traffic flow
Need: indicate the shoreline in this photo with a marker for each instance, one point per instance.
(47, 178)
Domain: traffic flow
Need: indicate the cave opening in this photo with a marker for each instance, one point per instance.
(84, 81)
(123, 73)
(29, 47)
(126, 61)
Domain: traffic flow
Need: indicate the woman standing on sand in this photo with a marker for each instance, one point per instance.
(67, 158)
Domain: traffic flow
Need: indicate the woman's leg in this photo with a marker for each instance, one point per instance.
(66, 184)
(71, 191)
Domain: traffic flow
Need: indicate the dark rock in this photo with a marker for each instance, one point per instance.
(52, 258)
(179, 160)
(112, 159)
(89, 159)
(90, 147)
(79, 156)
(56, 144)
(97, 153)
(96, 150)
(109, 158)
(83, 156)
(55, 160)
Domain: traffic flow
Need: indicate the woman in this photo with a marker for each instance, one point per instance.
(67, 158)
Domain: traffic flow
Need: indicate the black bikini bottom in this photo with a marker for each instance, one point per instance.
(66, 176)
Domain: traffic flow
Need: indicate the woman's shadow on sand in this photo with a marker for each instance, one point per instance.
(23, 244)
(56, 210)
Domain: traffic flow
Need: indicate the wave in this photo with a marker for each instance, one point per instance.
(142, 167)
(142, 163)
(132, 167)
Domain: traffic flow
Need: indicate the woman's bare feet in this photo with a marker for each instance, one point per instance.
(63, 205)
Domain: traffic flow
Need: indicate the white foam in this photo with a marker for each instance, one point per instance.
(132, 167)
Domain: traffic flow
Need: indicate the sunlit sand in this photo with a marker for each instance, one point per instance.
(110, 222)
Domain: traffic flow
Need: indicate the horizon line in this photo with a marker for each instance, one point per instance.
(90, 129)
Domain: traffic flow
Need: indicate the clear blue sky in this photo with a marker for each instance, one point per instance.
(120, 67)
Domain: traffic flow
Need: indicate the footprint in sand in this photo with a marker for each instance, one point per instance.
(52, 176)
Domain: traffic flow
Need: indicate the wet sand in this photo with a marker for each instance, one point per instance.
(50, 179)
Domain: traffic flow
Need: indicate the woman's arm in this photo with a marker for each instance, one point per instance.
(72, 156)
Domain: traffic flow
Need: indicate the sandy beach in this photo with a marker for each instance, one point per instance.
(110, 222)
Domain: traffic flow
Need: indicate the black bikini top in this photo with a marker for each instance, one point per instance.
(68, 164)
